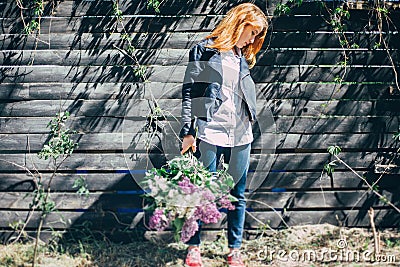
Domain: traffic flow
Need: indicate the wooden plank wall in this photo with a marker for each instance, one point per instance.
(75, 65)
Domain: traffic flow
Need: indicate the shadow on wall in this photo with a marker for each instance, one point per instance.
(95, 82)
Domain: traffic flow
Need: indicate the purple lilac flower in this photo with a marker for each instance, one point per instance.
(224, 202)
(186, 186)
(158, 220)
(208, 213)
(208, 196)
(189, 228)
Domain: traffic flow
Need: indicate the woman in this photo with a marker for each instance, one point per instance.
(219, 106)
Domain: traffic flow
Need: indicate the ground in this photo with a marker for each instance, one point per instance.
(310, 245)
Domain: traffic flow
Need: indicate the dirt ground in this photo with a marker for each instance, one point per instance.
(311, 245)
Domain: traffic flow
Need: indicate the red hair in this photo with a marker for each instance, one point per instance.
(229, 30)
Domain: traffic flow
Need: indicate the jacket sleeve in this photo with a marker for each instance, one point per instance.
(193, 70)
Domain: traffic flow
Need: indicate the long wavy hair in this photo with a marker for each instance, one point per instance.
(229, 29)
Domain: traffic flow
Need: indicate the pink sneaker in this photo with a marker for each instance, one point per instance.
(235, 259)
(193, 258)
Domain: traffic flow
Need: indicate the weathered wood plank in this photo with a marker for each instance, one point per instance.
(73, 201)
(317, 200)
(335, 124)
(64, 182)
(161, 90)
(322, 74)
(201, 23)
(172, 107)
(271, 181)
(37, 125)
(303, 181)
(174, 74)
(367, 40)
(349, 218)
(262, 201)
(128, 140)
(62, 90)
(326, 57)
(102, 57)
(321, 91)
(134, 23)
(357, 21)
(125, 141)
(65, 220)
(315, 161)
(283, 124)
(321, 108)
(98, 40)
(181, 40)
(95, 57)
(301, 161)
(315, 141)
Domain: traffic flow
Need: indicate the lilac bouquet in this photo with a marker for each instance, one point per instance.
(184, 192)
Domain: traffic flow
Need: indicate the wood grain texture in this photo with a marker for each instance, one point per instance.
(182, 40)
(300, 161)
(129, 107)
(275, 181)
(174, 57)
(175, 74)
(333, 124)
(187, 23)
(126, 140)
(173, 90)
(263, 201)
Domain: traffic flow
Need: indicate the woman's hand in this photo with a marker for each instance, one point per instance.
(188, 142)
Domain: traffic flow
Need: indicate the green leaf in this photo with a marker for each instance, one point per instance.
(329, 168)
(334, 150)
(396, 136)
(281, 9)
(177, 225)
(377, 45)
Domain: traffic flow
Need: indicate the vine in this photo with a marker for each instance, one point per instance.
(32, 22)
(59, 148)
(156, 114)
(338, 16)
(382, 12)
(337, 21)
(329, 169)
(285, 8)
(154, 4)
(37, 10)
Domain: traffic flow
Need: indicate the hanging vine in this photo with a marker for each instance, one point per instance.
(156, 114)
(337, 18)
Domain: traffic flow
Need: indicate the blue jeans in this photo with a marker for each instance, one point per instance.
(238, 159)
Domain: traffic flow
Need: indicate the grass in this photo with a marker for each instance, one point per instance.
(289, 247)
